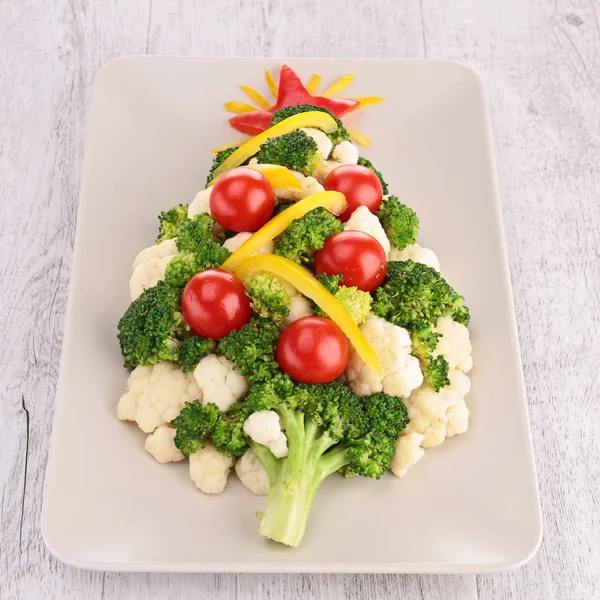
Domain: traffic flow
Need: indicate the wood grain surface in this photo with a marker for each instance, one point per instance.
(540, 60)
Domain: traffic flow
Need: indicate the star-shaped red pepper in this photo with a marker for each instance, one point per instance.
(291, 92)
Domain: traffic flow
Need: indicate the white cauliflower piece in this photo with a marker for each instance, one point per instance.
(362, 219)
(233, 243)
(454, 345)
(162, 250)
(264, 428)
(161, 445)
(324, 144)
(209, 469)
(219, 381)
(415, 253)
(156, 394)
(252, 474)
(309, 185)
(324, 168)
(408, 453)
(346, 153)
(401, 371)
(149, 267)
(299, 308)
(200, 204)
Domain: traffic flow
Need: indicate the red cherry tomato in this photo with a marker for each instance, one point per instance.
(214, 303)
(242, 200)
(357, 256)
(360, 186)
(313, 350)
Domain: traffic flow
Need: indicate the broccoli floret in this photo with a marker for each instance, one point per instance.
(328, 429)
(435, 372)
(268, 297)
(295, 150)
(339, 135)
(356, 302)
(170, 222)
(150, 329)
(193, 350)
(400, 222)
(367, 163)
(304, 236)
(220, 158)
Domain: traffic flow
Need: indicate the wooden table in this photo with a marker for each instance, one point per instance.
(541, 63)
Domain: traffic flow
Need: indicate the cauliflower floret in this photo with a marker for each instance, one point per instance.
(299, 307)
(408, 453)
(401, 371)
(362, 219)
(233, 243)
(200, 204)
(346, 153)
(149, 267)
(264, 428)
(209, 469)
(454, 345)
(324, 168)
(252, 474)
(162, 250)
(415, 253)
(309, 185)
(161, 446)
(219, 381)
(324, 144)
(156, 394)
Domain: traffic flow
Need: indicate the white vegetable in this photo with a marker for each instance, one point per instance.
(309, 185)
(325, 168)
(252, 474)
(200, 204)
(324, 144)
(149, 267)
(233, 243)
(346, 153)
(162, 250)
(264, 428)
(408, 452)
(299, 307)
(362, 219)
(219, 381)
(415, 253)
(209, 469)
(454, 345)
(156, 394)
(161, 446)
(401, 371)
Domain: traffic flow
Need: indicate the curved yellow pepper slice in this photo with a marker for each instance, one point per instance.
(333, 201)
(312, 118)
(359, 138)
(310, 287)
(276, 175)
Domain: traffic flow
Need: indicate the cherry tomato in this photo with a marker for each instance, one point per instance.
(214, 303)
(313, 350)
(357, 256)
(242, 200)
(360, 186)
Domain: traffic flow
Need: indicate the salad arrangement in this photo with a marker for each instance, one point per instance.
(287, 323)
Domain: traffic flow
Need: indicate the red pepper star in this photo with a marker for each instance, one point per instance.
(291, 92)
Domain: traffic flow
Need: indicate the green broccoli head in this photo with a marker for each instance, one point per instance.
(435, 372)
(220, 158)
(170, 222)
(193, 350)
(356, 302)
(150, 329)
(268, 297)
(339, 135)
(304, 236)
(367, 163)
(295, 150)
(400, 222)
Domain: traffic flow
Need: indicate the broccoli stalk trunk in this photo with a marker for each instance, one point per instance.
(295, 479)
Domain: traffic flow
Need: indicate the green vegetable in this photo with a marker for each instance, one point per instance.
(367, 163)
(295, 150)
(268, 297)
(219, 158)
(193, 350)
(339, 135)
(435, 372)
(304, 236)
(356, 302)
(327, 428)
(170, 222)
(400, 222)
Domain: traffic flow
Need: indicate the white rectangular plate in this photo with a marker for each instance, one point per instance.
(470, 505)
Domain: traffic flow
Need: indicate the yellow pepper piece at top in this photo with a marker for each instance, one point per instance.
(312, 118)
(307, 285)
(276, 175)
(334, 202)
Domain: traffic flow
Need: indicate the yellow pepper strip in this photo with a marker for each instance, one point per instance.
(276, 175)
(339, 86)
(239, 107)
(229, 145)
(334, 202)
(313, 118)
(369, 101)
(359, 138)
(313, 83)
(310, 287)
(255, 96)
(271, 83)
